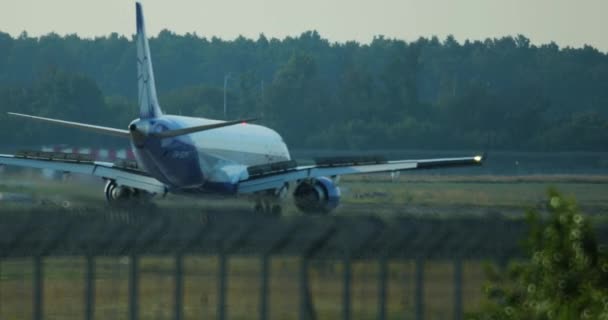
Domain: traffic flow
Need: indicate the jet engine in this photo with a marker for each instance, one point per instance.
(320, 195)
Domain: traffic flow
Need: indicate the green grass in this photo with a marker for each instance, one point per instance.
(459, 193)
(369, 194)
(476, 195)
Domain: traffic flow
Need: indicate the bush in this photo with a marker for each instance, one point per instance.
(564, 277)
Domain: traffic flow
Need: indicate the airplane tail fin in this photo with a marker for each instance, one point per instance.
(148, 102)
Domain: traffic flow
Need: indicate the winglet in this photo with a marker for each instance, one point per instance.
(481, 158)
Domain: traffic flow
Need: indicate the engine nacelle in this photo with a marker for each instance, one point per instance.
(319, 195)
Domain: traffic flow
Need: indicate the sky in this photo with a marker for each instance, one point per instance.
(566, 22)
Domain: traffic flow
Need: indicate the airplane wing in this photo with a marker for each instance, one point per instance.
(274, 179)
(73, 164)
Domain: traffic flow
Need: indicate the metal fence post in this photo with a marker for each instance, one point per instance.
(179, 286)
(90, 287)
(133, 287)
(346, 289)
(221, 302)
(303, 284)
(382, 277)
(457, 289)
(38, 287)
(306, 308)
(0, 287)
(419, 294)
(264, 287)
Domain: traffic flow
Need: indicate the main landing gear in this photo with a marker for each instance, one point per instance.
(121, 195)
(268, 207)
(269, 202)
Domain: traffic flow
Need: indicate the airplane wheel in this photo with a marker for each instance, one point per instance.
(120, 195)
(108, 190)
(268, 207)
(141, 196)
(114, 192)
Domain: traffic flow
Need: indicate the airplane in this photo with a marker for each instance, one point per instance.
(199, 156)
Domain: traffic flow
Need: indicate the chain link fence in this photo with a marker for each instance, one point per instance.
(151, 265)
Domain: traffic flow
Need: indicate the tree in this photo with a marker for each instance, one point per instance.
(297, 98)
(504, 93)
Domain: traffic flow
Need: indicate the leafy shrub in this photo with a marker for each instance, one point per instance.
(565, 275)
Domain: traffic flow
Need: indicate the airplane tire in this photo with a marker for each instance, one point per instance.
(126, 196)
(108, 190)
(268, 208)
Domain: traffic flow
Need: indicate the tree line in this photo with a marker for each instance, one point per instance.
(503, 93)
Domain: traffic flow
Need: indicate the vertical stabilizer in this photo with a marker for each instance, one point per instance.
(148, 102)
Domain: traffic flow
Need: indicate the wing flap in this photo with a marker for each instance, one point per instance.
(82, 168)
(277, 180)
(100, 169)
(130, 179)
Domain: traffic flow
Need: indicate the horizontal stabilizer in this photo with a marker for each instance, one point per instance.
(84, 126)
(179, 132)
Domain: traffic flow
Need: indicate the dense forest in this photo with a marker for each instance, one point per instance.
(497, 94)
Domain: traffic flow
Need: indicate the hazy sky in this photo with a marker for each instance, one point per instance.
(567, 22)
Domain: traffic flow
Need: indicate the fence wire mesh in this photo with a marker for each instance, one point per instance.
(119, 265)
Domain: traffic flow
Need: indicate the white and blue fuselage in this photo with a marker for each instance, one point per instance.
(211, 161)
